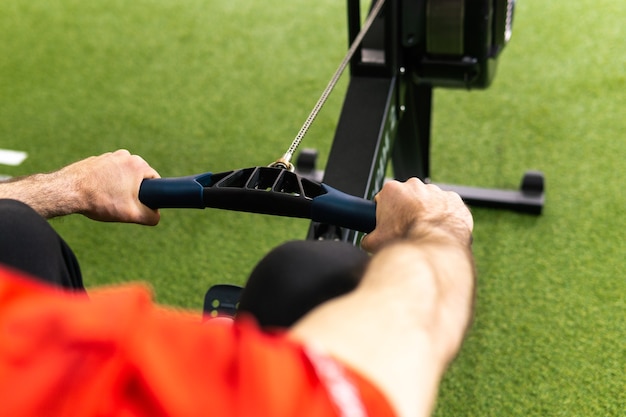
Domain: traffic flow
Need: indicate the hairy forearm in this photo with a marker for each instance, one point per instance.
(434, 280)
(432, 287)
(407, 321)
(104, 188)
(51, 194)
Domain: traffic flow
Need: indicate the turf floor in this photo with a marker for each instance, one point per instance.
(205, 85)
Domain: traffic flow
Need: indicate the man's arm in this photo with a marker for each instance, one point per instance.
(407, 319)
(103, 188)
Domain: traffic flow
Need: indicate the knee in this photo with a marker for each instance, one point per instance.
(298, 276)
(29, 243)
(14, 213)
(9, 207)
(20, 223)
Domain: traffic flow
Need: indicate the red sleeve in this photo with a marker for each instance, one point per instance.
(117, 354)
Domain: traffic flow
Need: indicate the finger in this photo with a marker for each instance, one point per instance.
(153, 218)
(148, 171)
(374, 241)
(366, 243)
(151, 174)
(148, 216)
(416, 181)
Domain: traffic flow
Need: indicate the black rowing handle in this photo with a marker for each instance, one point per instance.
(264, 190)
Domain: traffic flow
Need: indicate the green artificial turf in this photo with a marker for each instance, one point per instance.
(197, 86)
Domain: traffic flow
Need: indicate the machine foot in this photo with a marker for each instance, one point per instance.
(530, 197)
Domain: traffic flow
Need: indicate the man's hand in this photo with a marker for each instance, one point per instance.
(108, 187)
(104, 188)
(407, 319)
(415, 210)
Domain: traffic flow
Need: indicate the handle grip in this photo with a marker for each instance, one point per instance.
(181, 192)
(338, 208)
(262, 190)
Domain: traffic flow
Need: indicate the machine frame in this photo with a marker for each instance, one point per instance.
(387, 111)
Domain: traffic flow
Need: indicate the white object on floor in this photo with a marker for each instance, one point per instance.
(13, 158)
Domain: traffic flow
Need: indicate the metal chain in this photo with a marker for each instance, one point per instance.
(285, 160)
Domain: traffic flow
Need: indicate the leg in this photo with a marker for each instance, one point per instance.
(30, 244)
(299, 275)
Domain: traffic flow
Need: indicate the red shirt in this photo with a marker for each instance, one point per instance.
(115, 353)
